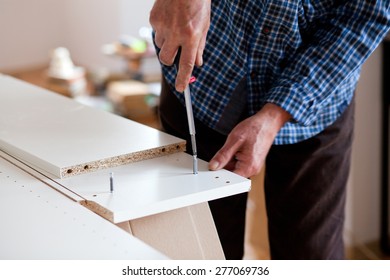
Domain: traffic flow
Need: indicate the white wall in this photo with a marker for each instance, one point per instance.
(134, 14)
(28, 30)
(89, 25)
(363, 207)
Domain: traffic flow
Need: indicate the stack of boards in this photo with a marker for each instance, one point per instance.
(76, 147)
(65, 138)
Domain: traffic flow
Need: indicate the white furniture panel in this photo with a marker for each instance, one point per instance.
(45, 135)
(38, 222)
(153, 186)
(65, 138)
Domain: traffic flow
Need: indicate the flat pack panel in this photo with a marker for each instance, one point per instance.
(152, 186)
(65, 138)
(37, 222)
(186, 233)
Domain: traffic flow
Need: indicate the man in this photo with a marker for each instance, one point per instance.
(275, 86)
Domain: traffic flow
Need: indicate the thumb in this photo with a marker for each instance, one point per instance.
(224, 155)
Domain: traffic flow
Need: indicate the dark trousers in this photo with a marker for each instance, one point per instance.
(305, 192)
(305, 188)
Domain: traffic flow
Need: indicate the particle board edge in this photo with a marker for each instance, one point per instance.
(122, 159)
(98, 209)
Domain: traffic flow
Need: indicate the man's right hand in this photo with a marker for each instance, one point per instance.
(181, 23)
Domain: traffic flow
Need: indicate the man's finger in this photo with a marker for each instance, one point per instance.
(158, 40)
(186, 66)
(199, 55)
(225, 154)
(167, 54)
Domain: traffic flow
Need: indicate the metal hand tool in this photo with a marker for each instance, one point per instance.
(191, 125)
(190, 116)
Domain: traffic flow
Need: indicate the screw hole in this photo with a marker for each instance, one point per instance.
(227, 182)
(69, 171)
(86, 167)
(163, 150)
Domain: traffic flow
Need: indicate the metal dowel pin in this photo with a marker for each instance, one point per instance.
(111, 182)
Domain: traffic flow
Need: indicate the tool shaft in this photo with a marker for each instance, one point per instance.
(190, 114)
(194, 155)
(191, 125)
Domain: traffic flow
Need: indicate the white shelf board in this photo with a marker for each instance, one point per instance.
(57, 134)
(153, 186)
(38, 222)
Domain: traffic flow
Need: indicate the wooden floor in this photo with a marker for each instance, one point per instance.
(369, 251)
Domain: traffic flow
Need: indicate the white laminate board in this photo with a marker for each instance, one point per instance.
(38, 222)
(57, 134)
(153, 186)
(45, 178)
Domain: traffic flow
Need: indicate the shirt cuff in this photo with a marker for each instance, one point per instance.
(292, 97)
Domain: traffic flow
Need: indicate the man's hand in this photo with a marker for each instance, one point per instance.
(248, 143)
(181, 23)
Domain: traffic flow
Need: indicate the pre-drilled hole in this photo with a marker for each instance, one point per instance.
(86, 167)
(163, 150)
(69, 171)
(227, 182)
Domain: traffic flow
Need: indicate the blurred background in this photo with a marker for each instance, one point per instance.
(99, 52)
(30, 29)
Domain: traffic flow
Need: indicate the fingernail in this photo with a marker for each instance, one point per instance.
(214, 165)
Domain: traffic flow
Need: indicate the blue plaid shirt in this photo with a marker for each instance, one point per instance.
(303, 55)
